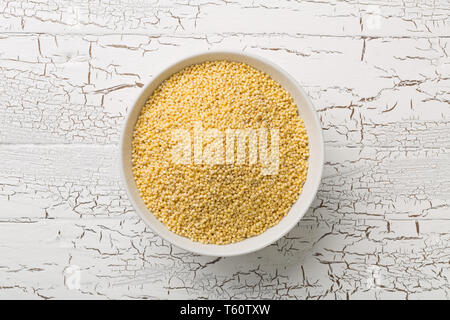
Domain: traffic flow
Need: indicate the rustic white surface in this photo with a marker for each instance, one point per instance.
(378, 73)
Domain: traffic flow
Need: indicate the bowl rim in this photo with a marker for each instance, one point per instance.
(180, 61)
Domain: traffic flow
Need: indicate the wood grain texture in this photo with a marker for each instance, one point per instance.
(378, 73)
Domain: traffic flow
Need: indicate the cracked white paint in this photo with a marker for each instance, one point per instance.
(378, 73)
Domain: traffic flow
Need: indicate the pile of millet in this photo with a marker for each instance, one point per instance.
(224, 203)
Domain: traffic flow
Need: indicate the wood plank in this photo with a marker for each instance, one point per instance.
(120, 258)
(77, 89)
(385, 18)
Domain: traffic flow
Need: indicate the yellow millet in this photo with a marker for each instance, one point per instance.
(222, 203)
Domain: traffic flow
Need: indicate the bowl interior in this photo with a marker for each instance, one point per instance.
(315, 161)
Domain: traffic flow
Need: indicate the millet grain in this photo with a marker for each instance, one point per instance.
(218, 204)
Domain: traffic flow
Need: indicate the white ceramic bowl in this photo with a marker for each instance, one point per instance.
(315, 161)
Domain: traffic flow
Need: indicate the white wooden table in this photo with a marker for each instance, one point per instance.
(378, 73)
